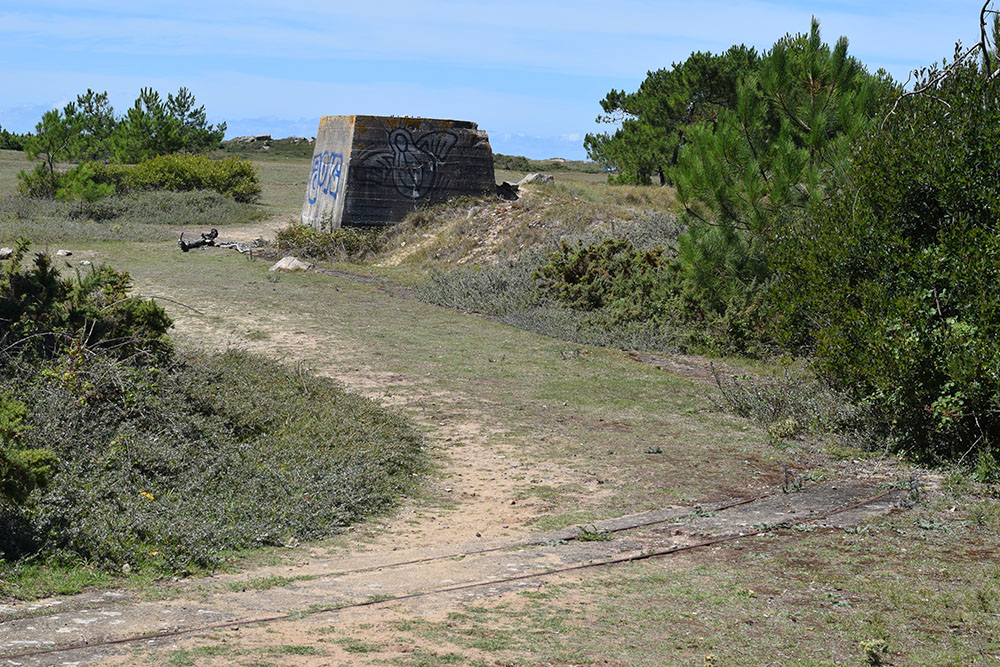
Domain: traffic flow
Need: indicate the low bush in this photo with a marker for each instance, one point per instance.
(115, 451)
(611, 276)
(232, 177)
(511, 292)
(37, 183)
(344, 243)
(167, 469)
(798, 403)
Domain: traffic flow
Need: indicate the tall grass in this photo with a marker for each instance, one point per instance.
(142, 216)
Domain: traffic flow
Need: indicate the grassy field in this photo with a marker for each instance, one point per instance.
(914, 587)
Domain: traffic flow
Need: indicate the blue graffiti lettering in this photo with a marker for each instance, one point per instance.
(325, 176)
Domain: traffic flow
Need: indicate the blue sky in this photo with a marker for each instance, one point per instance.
(530, 73)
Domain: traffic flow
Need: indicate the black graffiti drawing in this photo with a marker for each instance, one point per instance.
(325, 176)
(411, 166)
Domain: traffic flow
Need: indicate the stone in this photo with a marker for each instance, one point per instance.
(6, 252)
(539, 179)
(63, 253)
(254, 138)
(373, 170)
(507, 191)
(290, 264)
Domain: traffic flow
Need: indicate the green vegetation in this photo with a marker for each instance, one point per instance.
(88, 129)
(118, 453)
(826, 213)
(655, 119)
(520, 163)
(231, 177)
(151, 133)
(885, 281)
(342, 244)
(10, 141)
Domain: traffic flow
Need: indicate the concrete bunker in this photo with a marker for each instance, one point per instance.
(373, 170)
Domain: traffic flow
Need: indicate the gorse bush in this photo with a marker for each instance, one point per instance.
(544, 291)
(611, 276)
(90, 182)
(41, 312)
(232, 177)
(892, 283)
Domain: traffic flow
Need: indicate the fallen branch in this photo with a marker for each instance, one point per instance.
(206, 239)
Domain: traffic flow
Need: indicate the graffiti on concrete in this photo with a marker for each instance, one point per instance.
(325, 176)
(410, 165)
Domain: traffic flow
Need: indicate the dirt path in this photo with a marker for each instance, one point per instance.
(472, 528)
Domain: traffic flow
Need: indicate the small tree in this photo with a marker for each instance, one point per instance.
(153, 127)
(96, 122)
(786, 141)
(196, 135)
(654, 119)
(775, 154)
(56, 138)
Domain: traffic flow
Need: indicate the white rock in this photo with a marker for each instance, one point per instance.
(290, 264)
(6, 252)
(63, 253)
(541, 179)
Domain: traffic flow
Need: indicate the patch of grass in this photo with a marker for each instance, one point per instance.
(191, 656)
(143, 216)
(293, 649)
(352, 645)
(28, 580)
(266, 583)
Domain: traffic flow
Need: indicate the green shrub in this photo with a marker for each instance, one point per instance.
(344, 243)
(11, 141)
(42, 313)
(233, 177)
(892, 282)
(170, 468)
(115, 451)
(24, 470)
(612, 276)
(798, 403)
(78, 184)
(37, 183)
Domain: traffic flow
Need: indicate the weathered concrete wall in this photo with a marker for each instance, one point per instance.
(324, 204)
(373, 170)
